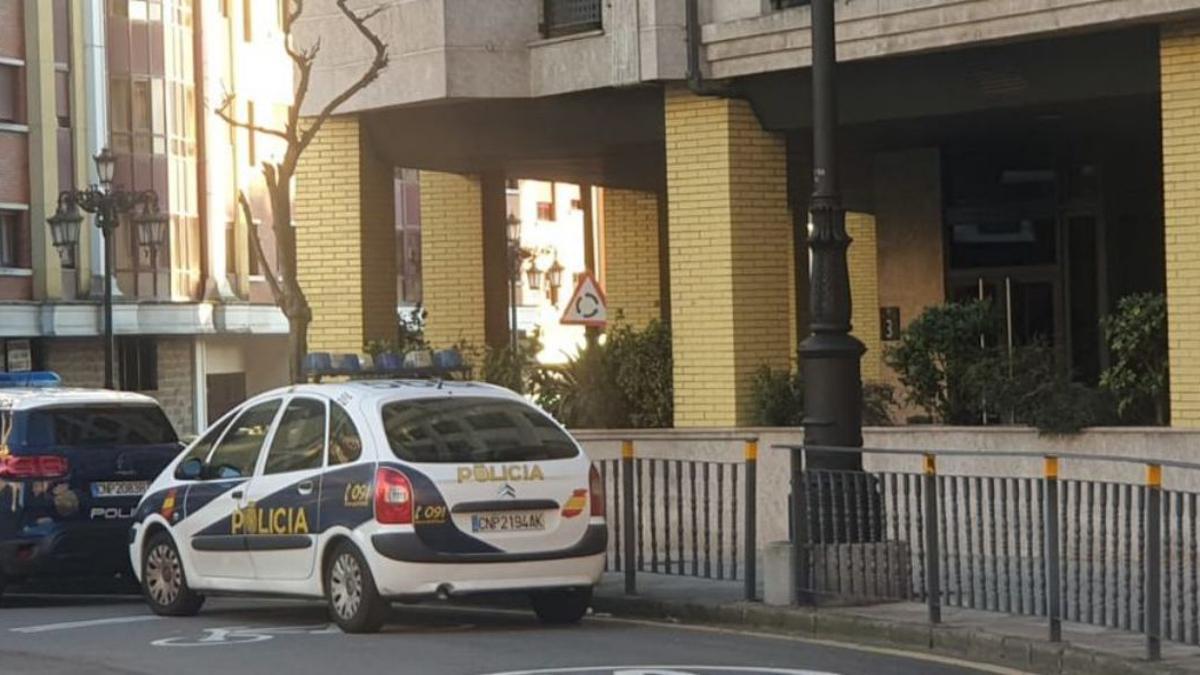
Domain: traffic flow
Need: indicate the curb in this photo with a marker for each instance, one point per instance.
(1035, 656)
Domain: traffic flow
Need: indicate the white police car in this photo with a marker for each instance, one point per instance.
(371, 491)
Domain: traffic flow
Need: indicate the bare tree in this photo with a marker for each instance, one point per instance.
(297, 135)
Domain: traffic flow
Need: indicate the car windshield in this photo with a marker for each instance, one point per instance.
(97, 425)
(473, 429)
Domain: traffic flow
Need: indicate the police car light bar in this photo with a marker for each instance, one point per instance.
(43, 378)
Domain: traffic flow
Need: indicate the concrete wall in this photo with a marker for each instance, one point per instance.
(727, 445)
(745, 39)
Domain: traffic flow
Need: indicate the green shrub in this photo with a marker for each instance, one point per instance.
(642, 368)
(583, 393)
(778, 397)
(1137, 344)
(935, 358)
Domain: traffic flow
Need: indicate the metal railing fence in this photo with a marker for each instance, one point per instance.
(1104, 553)
(682, 517)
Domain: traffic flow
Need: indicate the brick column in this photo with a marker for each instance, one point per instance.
(631, 255)
(1180, 68)
(864, 292)
(731, 263)
(345, 240)
(452, 277)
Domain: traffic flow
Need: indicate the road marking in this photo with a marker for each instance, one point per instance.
(84, 624)
(241, 635)
(886, 651)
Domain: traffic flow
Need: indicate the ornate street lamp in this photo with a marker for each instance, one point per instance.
(554, 280)
(533, 275)
(515, 257)
(108, 205)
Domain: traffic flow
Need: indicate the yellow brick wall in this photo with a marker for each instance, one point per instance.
(452, 258)
(862, 258)
(631, 255)
(328, 242)
(731, 265)
(1180, 68)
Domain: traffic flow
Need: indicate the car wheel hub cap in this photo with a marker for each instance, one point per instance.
(163, 575)
(346, 586)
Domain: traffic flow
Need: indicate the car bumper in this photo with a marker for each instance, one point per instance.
(403, 580)
(69, 550)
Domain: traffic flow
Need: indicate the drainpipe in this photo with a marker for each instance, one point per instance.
(695, 74)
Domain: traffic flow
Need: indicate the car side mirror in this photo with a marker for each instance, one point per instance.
(191, 469)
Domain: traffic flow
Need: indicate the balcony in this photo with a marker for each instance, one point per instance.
(567, 17)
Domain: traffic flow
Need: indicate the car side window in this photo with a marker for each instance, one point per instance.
(345, 443)
(237, 453)
(192, 465)
(299, 441)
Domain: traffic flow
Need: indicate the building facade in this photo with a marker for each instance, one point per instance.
(1040, 158)
(194, 325)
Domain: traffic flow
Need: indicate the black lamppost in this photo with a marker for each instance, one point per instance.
(516, 256)
(831, 355)
(108, 204)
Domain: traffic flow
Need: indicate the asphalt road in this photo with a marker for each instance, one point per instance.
(112, 634)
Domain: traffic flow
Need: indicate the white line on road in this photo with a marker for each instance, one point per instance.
(84, 624)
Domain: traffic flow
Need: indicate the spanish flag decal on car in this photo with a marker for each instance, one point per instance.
(576, 504)
(168, 505)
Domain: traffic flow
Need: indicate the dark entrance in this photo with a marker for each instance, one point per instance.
(1026, 234)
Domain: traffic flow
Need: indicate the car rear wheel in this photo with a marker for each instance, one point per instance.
(164, 584)
(561, 606)
(354, 600)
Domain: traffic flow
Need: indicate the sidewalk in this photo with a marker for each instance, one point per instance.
(1001, 639)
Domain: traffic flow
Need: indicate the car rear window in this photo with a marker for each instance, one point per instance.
(88, 426)
(473, 429)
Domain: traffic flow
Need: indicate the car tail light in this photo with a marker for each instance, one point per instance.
(393, 498)
(596, 484)
(33, 466)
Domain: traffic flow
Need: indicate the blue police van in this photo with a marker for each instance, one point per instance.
(73, 466)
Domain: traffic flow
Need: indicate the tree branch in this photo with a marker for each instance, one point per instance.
(378, 64)
(223, 111)
(269, 273)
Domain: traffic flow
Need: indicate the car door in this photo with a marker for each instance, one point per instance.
(282, 497)
(218, 516)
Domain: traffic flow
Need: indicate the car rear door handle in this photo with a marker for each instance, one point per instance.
(237, 494)
(305, 488)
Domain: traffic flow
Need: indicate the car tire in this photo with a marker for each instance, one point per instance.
(561, 606)
(354, 601)
(164, 583)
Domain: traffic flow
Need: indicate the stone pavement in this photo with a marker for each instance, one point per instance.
(988, 637)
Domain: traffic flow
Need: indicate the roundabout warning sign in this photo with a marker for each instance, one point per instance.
(588, 306)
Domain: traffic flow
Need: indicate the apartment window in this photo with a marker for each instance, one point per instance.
(784, 4)
(62, 98)
(10, 238)
(10, 90)
(137, 361)
(247, 21)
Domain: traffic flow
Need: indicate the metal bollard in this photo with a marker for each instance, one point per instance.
(1153, 561)
(933, 556)
(1053, 564)
(751, 528)
(628, 516)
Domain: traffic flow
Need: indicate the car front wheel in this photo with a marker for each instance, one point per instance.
(164, 583)
(354, 600)
(561, 606)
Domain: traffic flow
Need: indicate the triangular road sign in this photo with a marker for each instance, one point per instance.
(587, 307)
